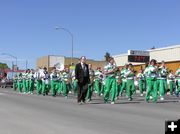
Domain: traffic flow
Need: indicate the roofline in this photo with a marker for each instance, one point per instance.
(164, 48)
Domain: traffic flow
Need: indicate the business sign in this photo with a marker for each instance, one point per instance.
(138, 52)
(138, 56)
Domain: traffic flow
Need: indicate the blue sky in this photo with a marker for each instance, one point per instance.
(98, 26)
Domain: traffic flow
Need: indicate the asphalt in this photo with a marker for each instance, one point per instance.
(33, 114)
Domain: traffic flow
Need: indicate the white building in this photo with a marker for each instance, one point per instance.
(168, 54)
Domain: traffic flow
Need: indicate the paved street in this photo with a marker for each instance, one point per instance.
(32, 114)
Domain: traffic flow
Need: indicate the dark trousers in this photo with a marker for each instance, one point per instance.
(82, 90)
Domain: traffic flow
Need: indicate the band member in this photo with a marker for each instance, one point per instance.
(151, 77)
(66, 85)
(141, 81)
(110, 87)
(130, 81)
(97, 81)
(123, 79)
(20, 82)
(83, 79)
(171, 81)
(45, 82)
(15, 82)
(54, 76)
(91, 84)
(178, 81)
(118, 83)
(163, 80)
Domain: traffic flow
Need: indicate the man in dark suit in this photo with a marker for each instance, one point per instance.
(82, 77)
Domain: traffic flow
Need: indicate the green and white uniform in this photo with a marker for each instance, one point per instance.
(54, 83)
(45, 83)
(162, 81)
(90, 85)
(124, 80)
(20, 83)
(130, 87)
(171, 82)
(97, 86)
(141, 82)
(110, 85)
(151, 77)
(66, 85)
(30, 83)
(15, 82)
(178, 80)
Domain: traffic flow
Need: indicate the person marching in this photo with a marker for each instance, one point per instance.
(110, 86)
(141, 81)
(123, 79)
(97, 81)
(15, 82)
(118, 83)
(163, 80)
(54, 82)
(130, 81)
(45, 82)
(24, 76)
(171, 81)
(178, 81)
(91, 84)
(30, 81)
(20, 82)
(66, 85)
(151, 77)
(39, 73)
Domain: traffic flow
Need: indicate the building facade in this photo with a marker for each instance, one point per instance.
(171, 56)
(50, 61)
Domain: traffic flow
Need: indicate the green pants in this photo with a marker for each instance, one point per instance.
(30, 86)
(24, 86)
(171, 87)
(54, 87)
(158, 85)
(141, 86)
(130, 88)
(15, 85)
(102, 88)
(45, 88)
(38, 86)
(75, 87)
(118, 89)
(123, 87)
(162, 87)
(89, 92)
(97, 87)
(20, 86)
(178, 88)
(151, 89)
(110, 87)
(65, 88)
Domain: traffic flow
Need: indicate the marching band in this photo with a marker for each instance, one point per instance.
(110, 82)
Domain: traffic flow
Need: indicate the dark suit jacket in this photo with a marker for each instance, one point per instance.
(79, 73)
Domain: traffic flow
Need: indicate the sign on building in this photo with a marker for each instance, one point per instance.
(138, 56)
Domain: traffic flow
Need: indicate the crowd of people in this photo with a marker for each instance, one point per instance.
(154, 81)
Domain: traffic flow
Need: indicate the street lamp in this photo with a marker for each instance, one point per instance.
(10, 56)
(72, 38)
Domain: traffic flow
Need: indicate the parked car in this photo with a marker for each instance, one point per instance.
(6, 83)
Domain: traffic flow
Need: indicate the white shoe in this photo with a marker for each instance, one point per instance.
(141, 95)
(70, 92)
(151, 97)
(112, 102)
(162, 98)
(101, 94)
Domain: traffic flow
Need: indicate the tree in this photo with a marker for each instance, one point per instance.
(3, 66)
(107, 56)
